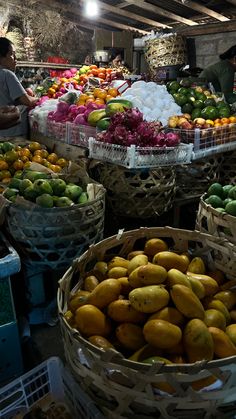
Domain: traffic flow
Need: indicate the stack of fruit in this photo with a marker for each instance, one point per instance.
(199, 102)
(14, 159)
(222, 198)
(155, 304)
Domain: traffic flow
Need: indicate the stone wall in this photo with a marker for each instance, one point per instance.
(208, 47)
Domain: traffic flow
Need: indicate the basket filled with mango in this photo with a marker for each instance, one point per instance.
(150, 314)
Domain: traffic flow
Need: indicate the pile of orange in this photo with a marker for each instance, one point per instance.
(98, 95)
(19, 158)
(224, 121)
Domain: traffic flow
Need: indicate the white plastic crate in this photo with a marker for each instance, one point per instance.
(140, 157)
(50, 381)
(209, 141)
(80, 134)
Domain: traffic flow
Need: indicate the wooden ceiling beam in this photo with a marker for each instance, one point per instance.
(207, 29)
(204, 10)
(120, 25)
(124, 4)
(158, 10)
(133, 16)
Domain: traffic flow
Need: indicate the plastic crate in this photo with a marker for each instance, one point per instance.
(10, 264)
(80, 134)
(10, 353)
(140, 157)
(209, 141)
(48, 381)
(57, 130)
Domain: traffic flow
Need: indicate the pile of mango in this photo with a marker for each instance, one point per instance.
(156, 305)
(101, 118)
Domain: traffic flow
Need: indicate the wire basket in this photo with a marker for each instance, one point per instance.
(125, 388)
(140, 157)
(228, 168)
(52, 238)
(192, 180)
(138, 193)
(80, 134)
(211, 221)
(166, 50)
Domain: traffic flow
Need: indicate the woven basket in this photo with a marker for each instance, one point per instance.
(124, 388)
(228, 168)
(165, 51)
(193, 179)
(52, 238)
(137, 193)
(216, 223)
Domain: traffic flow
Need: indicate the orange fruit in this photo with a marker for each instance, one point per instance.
(37, 159)
(102, 70)
(43, 153)
(34, 146)
(55, 168)
(109, 97)
(6, 180)
(55, 87)
(217, 124)
(80, 102)
(93, 67)
(95, 92)
(83, 97)
(27, 165)
(62, 162)
(224, 121)
(100, 101)
(89, 100)
(5, 174)
(232, 119)
(11, 156)
(18, 164)
(112, 91)
(18, 148)
(25, 152)
(217, 121)
(3, 165)
(102, 94)
(102, 76)
(24, 159)
(109, 70)
(52, 158)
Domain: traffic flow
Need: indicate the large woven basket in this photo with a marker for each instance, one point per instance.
(52, 238)
(194, 179)
(216, 223)
(138, 193)
(124, 388)
(228, 168)
(165, 51)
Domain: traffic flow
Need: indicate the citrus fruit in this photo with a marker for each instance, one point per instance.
(3, 165)
(232, 193)
(215, 189)
(11, 156)
(215, 201)
(226, 189)
(52, 158)
(226, 201)
(18, 164)
(231, 208)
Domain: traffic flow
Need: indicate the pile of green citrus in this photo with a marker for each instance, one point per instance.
(222, 198)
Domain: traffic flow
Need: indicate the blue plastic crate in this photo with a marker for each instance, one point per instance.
(10, 264)
(10, 352)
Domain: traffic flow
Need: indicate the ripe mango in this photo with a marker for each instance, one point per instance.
(170, 260)
(117, 272)
(92, 321)
(162, 334)
(104, 293)
(197, 287)
(134, 253)
(137, 261)
(231, 332)
(198, 342)
(153, 246)
(187, 302)
(170, 314)
(197, 266)
(151, 274)
(227, 297)
(95, 116)
(218, 305)
(215, 318)
(223, 346)
(117, 261)
(175, 276)
(149, 299)
(130, 336)
(210, 285)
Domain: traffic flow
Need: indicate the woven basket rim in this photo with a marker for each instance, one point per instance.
(209, 208)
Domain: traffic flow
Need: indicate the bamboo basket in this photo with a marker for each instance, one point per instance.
(228, 168)
(165, 51)
(138, 193)
(216, 223)
(193, 179)
(126, 389)
(53, 237)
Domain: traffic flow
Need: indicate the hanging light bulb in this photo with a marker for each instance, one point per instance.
(91, 8)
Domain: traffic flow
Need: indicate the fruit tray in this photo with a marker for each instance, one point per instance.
(140, 157)
(209, 140)
(80, 134)
(49, 386)
(128, 388)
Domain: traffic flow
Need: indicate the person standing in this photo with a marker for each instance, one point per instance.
(12, 92)
(221, 74)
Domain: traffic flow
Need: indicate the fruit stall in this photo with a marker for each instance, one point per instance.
(95, 209)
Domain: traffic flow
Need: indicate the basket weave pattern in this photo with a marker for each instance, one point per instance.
(194, 179)
(53, 238)
(218, 224)
(127, 389)
(165, 51)
(138, 193)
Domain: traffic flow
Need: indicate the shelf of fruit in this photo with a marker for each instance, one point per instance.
(207, 120)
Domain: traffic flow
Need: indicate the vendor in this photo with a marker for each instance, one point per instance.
(9, 116)
(221, 74)
(12, 92)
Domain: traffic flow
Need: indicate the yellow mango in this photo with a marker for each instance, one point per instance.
(223, 346)
(197, 287)
(78, 300)
(151, 274)
(155, 245)
(187, 302)
(231, 332)
(162, 334)
(117, 272)
(134, 253)
(210, 285)
(227, 297)
(100, 342)
(174, 276)
(130, 336)
(233, 315)
(117, 261)
(125, 285)
(100, 270)
(170, 260)
(215, 318)
(134, 280)
(145, 352)
(218, 305)
(92, 321)
(90, 283)
(197, 266)
(137, 261)
(149, 299)
(198, 342)
(121, 311)
(104, 293)
(170, 314)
